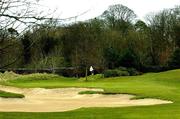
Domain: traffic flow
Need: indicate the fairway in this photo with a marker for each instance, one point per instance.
(164, 85)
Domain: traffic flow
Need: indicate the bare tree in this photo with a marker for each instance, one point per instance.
(15, 17)
(118, 14)
(163, 33)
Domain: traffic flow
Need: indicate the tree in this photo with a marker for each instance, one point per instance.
(26, 42)
(45, 46)
(119, 12)
(141, 26)
(129, 59)
(119, 17)
(177, 35)
(176, 12)
(162, 33)
(112, 57)
(81, 44)
(15, 14)
(175, 59)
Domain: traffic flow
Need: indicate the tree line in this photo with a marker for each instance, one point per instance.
(114, 39)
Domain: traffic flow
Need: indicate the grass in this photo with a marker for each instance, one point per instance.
(99, 92)
(164, 85)
(90, 92)
(92, 77)
(4, 94)
(8, 76)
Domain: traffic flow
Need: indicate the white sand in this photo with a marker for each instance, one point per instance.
(64, 99)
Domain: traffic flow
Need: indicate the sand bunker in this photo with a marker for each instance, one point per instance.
(64, 99)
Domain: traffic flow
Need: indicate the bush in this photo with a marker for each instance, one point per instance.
(156, 69)
(175, 59)
(121, 71)
(115, 72)
(122, 68)
(133, 71)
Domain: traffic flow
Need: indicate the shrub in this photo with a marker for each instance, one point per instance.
(122, 68)
(115, 72)
(133, 71)
(121, 71)
(175, 59)
(156, 68)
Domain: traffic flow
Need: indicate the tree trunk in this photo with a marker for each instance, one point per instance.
(86, 73)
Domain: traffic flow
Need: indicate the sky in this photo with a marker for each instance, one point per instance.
(93, 8)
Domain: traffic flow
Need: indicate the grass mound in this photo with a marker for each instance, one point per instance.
(38, 76)
(8, 76)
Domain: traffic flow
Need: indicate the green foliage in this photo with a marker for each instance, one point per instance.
(133, 72)
(26, 42)
(175, 59)
(115, 73)
(129, 59)
(121, 71)
(177, 33)
(141, 26)
(112, 57)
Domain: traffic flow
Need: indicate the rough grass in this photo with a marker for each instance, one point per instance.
(164, 85)
(8, 76)
(4, 94)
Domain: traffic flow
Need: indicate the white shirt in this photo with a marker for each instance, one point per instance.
(91, 69)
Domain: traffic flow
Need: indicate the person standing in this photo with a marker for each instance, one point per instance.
(91, 70)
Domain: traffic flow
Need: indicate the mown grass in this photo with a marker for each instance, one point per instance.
(164, 85)
(4, 94)
(91, 92)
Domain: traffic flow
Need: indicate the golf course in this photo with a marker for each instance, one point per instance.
(89, 59)
(161, 86)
